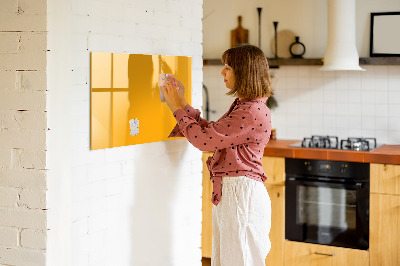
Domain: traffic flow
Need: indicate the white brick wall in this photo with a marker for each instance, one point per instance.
(23, 128)
(134, 205)
(9, 237)
(9, 197)
(33, 239)
(137, 205)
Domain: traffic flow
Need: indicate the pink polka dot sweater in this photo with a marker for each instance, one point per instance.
(238, 139)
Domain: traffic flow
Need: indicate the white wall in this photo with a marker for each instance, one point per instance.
(23, 133)
(306, 19)
(311, 102)
(134, 205)
(343, 104)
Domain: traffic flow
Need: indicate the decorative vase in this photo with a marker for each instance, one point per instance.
(297, 49)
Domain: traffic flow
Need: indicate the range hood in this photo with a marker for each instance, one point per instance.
(341, 51)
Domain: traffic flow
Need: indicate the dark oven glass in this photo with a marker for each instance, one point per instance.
(328, 207)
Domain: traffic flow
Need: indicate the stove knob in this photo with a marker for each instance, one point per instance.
(308, 166)
(343, 168)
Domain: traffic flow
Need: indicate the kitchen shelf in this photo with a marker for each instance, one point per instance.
(273, 63)
(380, 61)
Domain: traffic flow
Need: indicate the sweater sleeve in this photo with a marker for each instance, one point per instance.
(231, 130)
(193, 113)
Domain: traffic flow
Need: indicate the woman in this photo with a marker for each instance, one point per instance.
(242, 208)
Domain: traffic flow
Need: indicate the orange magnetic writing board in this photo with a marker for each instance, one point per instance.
(125, 97)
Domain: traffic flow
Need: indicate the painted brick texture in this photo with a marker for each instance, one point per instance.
(23, 132)
(108, 207)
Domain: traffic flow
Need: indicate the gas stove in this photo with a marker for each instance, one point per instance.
(332, 142)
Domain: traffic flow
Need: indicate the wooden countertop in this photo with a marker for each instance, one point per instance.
(389, 154)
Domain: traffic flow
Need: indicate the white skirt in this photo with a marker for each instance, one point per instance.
(241, 223)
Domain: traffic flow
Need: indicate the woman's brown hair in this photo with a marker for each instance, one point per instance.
(250, 66)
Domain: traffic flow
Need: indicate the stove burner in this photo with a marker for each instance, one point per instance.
(332, 142)
(328, 142)
(358, 144)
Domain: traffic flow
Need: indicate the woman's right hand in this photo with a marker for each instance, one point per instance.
(181, 91)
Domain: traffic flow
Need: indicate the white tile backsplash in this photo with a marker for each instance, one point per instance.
(342, 96)
(394, 124)
(394, 82)
(394, 97)
(380, 71)
(381, 97)
(367, 110)
(304, 82)
(381, 83)
(342, 109)
(292, 82)
(394, 137)
(381, 110)
(367, 96)
(394, 110)
(382, 136)
(329, 109)
(343, 103)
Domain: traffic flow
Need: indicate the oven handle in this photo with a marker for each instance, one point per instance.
(357, 185)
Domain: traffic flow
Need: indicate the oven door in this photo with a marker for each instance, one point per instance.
(327, 213)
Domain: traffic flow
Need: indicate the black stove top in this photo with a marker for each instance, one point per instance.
(332, 142)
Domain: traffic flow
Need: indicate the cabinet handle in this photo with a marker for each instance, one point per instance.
(324, 254)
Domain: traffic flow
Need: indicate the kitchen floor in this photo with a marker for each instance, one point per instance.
(206, 261)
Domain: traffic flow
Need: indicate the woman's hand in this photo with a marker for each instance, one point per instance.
(173, 94)
(181, 92)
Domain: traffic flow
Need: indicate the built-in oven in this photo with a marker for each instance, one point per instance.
(327, 202)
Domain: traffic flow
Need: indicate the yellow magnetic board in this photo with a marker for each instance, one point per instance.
(125, 97)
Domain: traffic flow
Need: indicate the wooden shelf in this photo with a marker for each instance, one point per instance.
(380, 61)
(274, 63)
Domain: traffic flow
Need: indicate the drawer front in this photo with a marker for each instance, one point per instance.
(297, 253)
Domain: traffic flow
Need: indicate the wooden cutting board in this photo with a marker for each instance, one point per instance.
(239, 35)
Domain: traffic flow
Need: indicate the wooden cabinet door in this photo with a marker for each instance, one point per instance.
(385, 178)
(277, 233)
(304, 254)
(274, 168)
(384, 236)
(206, 226)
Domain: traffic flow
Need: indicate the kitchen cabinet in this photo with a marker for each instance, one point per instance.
(385, 230)
(277, 233)
(274, 168)
(206, 226)
(385, 178)
(305, 254)
(384, 248)
(385, 215)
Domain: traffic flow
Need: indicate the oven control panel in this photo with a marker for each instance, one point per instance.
(337, 169)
